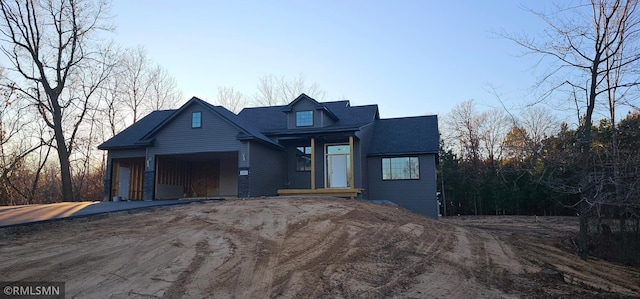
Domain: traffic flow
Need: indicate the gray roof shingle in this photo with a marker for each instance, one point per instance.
(408, 135)
(131, 137)
(391, 136)
(273, 119)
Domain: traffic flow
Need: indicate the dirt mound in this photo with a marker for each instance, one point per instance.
(298, 248)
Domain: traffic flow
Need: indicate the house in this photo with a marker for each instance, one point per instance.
(303, 148)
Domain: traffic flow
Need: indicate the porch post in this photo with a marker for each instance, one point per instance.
(313, 164)
(351, 162)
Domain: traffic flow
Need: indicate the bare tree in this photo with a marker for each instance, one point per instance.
(583, 42)
(136, 76)
(463, 125)
(136, 87)
(164, 92)
(231, 99)
(280, 91)
(595, 58)
(47, 43)
(492, 132)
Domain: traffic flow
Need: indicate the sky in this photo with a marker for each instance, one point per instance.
(409, 57)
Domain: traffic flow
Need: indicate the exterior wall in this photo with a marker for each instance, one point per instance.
(267, 172)
(364, 135)
(229, 177)
(214, 135)
(418, 196)
(296, 179)
(320, 119)
(320, 164)
(106, 192)
(357, 164)
(177, 137)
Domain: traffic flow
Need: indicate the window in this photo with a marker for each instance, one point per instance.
(303, 158)
(196, 120)
(304, 118)
(404, 168)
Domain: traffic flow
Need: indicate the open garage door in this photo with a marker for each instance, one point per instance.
(197, 175)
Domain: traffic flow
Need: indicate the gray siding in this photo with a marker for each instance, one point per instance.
(228, 177)
(126, 153)
(267, 171)
(296, 179)
(320, 119)
(215, 135)
(364, 135)
(418, 196)
(320, 164)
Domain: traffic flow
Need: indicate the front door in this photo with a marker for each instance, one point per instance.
(338, 171)
(337, 166)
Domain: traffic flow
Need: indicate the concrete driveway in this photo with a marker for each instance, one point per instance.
(18, 215)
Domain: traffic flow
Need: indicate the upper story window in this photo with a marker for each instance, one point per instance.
(304, 118)
(196, 119)
(401, 168)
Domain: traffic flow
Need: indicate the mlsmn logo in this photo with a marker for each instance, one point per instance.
(39, 290)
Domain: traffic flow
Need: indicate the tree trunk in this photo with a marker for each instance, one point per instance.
(583, 236)
(63, 152)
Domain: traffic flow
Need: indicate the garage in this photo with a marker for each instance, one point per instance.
(199, 175)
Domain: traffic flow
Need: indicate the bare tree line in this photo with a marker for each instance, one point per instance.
(62, 81)
(67, 88)
(271, 90)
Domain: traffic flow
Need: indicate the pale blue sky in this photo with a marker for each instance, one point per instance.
(409, 57)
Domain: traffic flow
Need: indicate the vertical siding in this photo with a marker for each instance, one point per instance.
(267, 171)
(418, 196)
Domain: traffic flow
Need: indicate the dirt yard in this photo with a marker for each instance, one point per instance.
(308, 248)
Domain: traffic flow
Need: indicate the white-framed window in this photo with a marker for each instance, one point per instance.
(303, 158)
(304, 118)
(196, 119)
(400, 168)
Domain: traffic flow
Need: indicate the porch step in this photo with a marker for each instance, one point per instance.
(337, 192)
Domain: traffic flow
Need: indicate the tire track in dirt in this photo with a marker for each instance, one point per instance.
(300, 248)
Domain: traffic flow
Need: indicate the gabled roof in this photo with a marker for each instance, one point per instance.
(131, 137)
(408, 135)
(318, 105)
(271, 120)
(141, 133)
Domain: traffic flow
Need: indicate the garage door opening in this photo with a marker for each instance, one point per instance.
(127, 176)
(199, 175)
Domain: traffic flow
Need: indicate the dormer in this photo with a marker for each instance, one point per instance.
(305, 112)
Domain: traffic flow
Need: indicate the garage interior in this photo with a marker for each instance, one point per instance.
(200, 175)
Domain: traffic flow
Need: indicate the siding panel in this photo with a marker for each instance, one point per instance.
(418, 196)
(215, 135)
(267, 172)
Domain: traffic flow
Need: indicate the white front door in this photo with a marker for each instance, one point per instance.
(338, 171)
(123, 183)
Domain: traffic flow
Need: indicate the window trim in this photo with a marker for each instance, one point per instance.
(390, 174)
(197, 125)
(300, 117)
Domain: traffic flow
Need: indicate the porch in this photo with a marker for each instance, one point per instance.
(335, 192)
